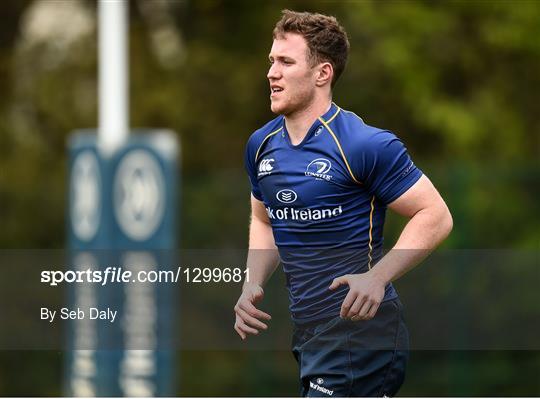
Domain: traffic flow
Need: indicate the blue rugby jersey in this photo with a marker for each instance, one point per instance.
(326, 199)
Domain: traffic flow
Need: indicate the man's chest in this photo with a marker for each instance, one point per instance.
(306, 177)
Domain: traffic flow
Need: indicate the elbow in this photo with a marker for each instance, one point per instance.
(447, 223)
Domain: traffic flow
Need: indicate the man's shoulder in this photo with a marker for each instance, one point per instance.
(270, 128)
(352, 130)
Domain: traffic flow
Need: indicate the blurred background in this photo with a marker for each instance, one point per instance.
(458, 81)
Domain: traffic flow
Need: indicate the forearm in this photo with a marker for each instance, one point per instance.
(263, 257)
(421, 235)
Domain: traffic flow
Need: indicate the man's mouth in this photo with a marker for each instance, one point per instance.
(276, 89)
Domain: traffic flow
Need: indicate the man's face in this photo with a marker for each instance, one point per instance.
(291, 77)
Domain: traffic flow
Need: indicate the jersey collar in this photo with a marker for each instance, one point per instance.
(316, 128)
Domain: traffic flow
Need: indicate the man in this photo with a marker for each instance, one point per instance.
(321, 182)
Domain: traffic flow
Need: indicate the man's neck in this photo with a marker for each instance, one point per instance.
(299, 123)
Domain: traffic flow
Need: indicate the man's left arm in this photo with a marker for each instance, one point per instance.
(429, 224)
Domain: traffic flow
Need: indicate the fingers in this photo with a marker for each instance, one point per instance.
(247, 319)
(347, 304)
(250, 309)
(373, 311)
(242, 329)
(362, 314)
(250, 320)
(339, 281)
(239, 331)
(245, 328)
(367, 311)
(356, 306)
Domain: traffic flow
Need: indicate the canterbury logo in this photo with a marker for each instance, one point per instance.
(266, 165)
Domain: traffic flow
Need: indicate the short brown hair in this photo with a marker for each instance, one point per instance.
(326, 38)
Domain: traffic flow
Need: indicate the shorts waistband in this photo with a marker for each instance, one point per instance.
(312, 323)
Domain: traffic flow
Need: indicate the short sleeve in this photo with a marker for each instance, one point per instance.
(251, 167)
(385, 167)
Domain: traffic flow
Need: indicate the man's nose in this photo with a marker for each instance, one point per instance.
(273, 72)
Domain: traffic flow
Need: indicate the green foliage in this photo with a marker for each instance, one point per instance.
(455, 80)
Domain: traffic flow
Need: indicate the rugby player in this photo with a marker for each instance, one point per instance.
(321, 181)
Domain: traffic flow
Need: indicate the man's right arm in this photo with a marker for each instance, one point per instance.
(263, 256)
(262, 261)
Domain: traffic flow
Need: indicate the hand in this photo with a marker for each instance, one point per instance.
(247, 315)
(364, 297)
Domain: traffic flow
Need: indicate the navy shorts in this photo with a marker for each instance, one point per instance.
(340, 358)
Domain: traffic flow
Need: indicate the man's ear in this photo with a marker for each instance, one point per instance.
(325, 73)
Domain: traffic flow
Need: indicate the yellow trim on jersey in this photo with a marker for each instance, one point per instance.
(339, 145)
(371, 232)
(266, 138)
(333, 116)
